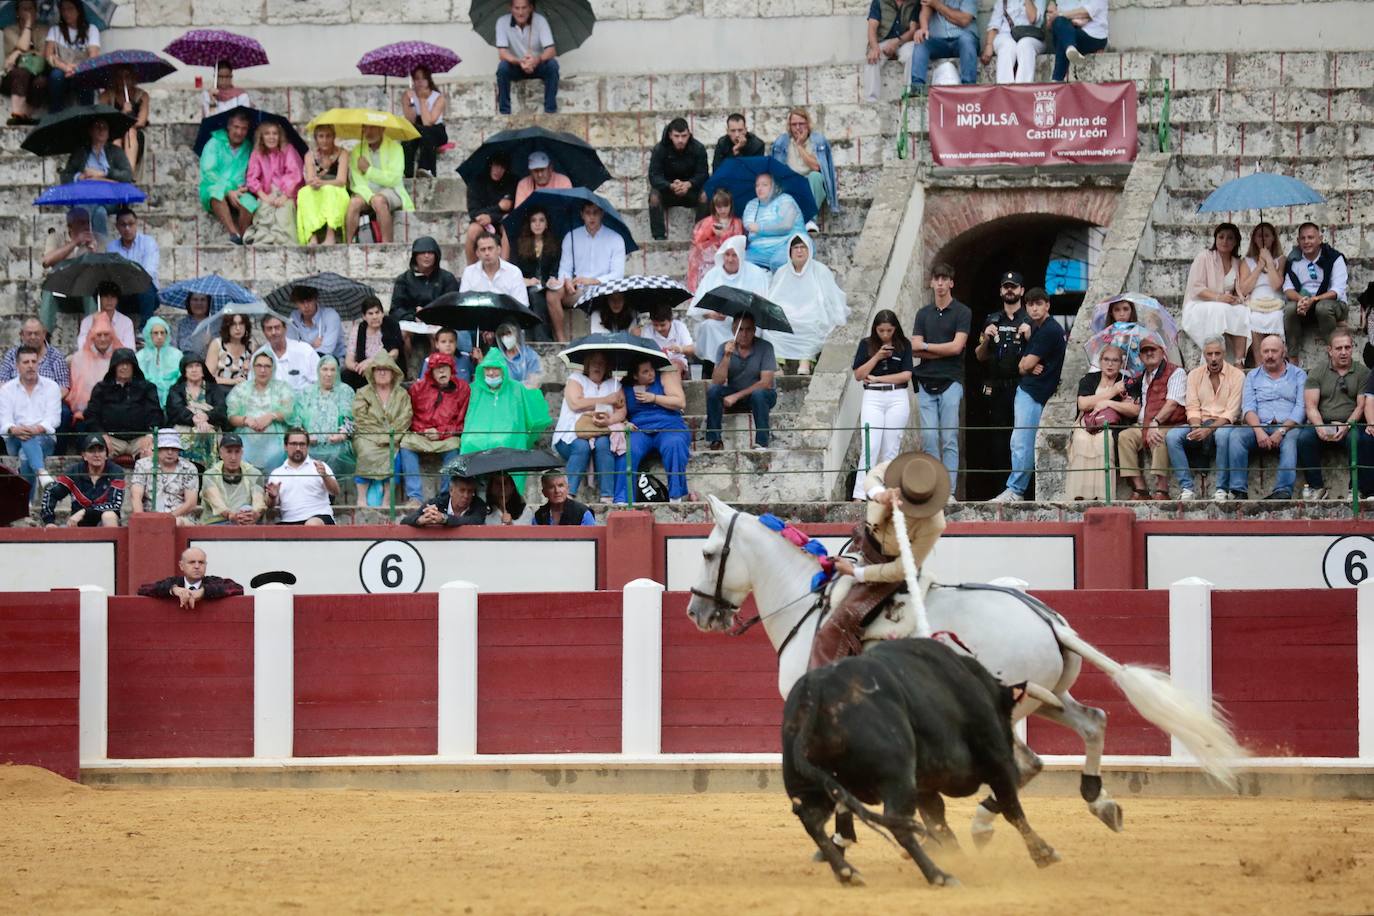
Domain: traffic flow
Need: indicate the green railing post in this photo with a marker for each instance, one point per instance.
(629, 472)
(1354, 468)
(1108, 444)
(868, 449)
(391, 480)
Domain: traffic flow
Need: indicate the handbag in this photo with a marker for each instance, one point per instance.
(1100, 419)
(586, 428)
(1019, 32)
(34, 63)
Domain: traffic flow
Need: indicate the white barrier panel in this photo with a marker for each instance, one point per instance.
(1251, 561)
(1190, 644)
(93, 703)
(1364, 662)
(641, 668)
(274, 678)
(457, 669)
(398, 566)
(40, 566)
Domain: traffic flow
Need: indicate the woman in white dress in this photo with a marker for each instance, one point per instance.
(1261, 282)
(732, 269)
(1211, 304)
(812, 301)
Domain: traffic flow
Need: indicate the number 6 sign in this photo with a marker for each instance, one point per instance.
(1348, 561)
(392, 566)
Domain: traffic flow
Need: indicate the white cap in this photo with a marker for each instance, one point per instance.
(539, 160)
(169, 438)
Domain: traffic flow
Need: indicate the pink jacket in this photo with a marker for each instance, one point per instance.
(280, 170)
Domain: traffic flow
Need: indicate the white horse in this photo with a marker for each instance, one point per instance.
(1017, 638)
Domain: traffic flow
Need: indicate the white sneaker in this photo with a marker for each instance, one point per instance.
(1186, 495)
(759, 448)
(1074, 55)
(1006, 496)
(1310, 494)
(1220, 496)
(953, 500)
(44, 480)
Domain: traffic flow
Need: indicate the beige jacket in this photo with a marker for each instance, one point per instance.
(922, 532)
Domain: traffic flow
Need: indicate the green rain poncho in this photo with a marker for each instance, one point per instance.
(512, 416)
(224, 169)
(160, 365)
(378, 428)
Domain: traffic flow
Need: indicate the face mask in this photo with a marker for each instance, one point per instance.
(493, 382)
(508, 341)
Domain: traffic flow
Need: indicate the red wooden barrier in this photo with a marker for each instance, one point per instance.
(40, 656)
(548, 673)
(719, 694)
(1284, 666)
(1131, 627)
(181, 682)
(366, 675)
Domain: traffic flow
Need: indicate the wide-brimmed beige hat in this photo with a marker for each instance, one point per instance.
(922, 481)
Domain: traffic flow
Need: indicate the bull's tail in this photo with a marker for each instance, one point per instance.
(1205, 733)
(874, 820)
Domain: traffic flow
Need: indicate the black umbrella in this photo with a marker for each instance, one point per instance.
(641, 293)
(70, 129)
(564, 208)
(477, 311)
(767, 314)
(221, 120)
(496, 460)
(80, 276)
(343, 295)
(570, 155)
(570, 21)
(625, 350)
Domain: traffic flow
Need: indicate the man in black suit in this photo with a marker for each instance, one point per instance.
(459, 506)
(193, 584)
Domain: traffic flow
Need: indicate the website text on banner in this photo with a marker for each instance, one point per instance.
(1041, 124)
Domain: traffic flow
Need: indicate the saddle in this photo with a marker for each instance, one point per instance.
(839, 634)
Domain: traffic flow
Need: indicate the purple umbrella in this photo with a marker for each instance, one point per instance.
(98, 72)
(207, 47)
(404, 56)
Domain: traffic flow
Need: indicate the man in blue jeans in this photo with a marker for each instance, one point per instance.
(30, 411)
(1042, 362)
(1077, 32)
(524, 42)
(744, 370)
(938, 338)
(1272, 406)
(946, 28)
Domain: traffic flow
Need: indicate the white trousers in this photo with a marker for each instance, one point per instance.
(886, 414)
(1016, 59)
(873, 76)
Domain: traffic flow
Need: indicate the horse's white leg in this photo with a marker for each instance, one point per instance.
(1028, 766)
(1091, 724)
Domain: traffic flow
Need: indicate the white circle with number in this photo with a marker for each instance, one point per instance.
(1348, 561)
(392, 566)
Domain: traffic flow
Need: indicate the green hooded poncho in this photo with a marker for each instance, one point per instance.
(378, 428)
(160, 365)
(511, 416)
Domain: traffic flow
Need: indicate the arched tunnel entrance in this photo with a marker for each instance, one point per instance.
(1034, 245)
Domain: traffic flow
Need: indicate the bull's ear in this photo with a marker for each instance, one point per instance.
(1017, 691)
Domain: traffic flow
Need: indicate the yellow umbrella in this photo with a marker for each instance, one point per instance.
(348, 123)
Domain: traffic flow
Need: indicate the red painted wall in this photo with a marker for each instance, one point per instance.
(181, 682)
(548, 673)
(1284, 666)
(1131, 627)
(40, 658)
(366, 675)
(719, 693)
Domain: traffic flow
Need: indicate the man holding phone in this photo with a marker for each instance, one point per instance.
(1212, 405)
(1000, 345)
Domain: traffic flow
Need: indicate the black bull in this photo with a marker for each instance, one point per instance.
(902, 725)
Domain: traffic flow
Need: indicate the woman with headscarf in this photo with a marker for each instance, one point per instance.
(812, 300)
(196, 407)
(381, 417)
(501, 411)
(90, 363)
(770, 219)
(159, 360)
(260, 408)
(654, 400)
(731, 269)
(807, 152)
(439, 402)
(709, 233)
(325, 411)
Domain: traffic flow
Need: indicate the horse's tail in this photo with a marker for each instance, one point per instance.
(1206, 733)
(808, 709)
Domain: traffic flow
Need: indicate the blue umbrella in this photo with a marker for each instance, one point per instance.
(565, 213)
(737, 176)
(90, 194)
(219, 121)
(98, 72)
(222, 292)
(1259, 191)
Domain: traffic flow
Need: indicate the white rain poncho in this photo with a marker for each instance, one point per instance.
(813, 302)
(708, 333)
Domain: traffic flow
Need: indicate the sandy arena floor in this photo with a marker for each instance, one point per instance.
(66, 848)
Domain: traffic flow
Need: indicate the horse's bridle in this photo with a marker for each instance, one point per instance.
(719, 596)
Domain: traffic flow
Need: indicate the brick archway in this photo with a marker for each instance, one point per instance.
(951, 212)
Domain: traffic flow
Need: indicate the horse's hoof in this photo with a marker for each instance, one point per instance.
(849, 875)
(942, 879)
(1046, 857)
(1109, 813)
(981, 838)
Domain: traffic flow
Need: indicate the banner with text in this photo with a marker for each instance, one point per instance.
(1037, 124)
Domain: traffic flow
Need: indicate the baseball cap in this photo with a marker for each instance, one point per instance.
(539, 160)
(93, 441)
(1149, 343)
(1013, 277)
(169, 438)
(231, 440)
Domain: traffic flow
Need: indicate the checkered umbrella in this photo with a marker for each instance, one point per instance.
(343, 295)
(641, 293)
